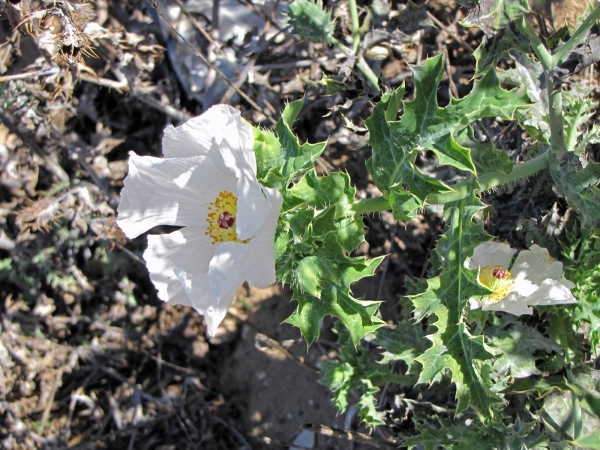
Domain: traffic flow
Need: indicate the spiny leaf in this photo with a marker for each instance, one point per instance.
(579, 186)
(334, 295)
(310, 20)
(460, 435)
(424, 125)
(453, 348)
(520, 346)
(317, 231)
(497, 20)
(279, 156)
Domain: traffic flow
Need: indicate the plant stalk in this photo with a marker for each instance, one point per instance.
(576, 37)
(558, 145)
(355, 26)
(487, 181)
(360, 63)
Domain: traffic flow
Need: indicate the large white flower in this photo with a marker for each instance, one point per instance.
(206, 183)
(534, 278)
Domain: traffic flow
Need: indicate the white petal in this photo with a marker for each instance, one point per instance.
(513, 303)
(259, 260)
(196, 135)
(174, 191)
(567, 283)
(225, 280)
(197, 290)
(188, 249)
(534, 266)
(252, 207)
(491, 253)
(474, 303)
(551, 292)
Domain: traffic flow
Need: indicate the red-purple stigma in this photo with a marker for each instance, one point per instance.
(226, 220)
(499, 273)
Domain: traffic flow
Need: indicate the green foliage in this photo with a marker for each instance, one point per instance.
(520, 346)
(310, 20)
(279, 156)
(583, 268)
(569, 413)
(463, 434)
(579, 185)
(453, 347)
(424, 125)
(497, 20)
(318, 228)
(356, 371)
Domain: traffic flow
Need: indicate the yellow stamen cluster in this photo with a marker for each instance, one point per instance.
(221, 219)
(498, 280)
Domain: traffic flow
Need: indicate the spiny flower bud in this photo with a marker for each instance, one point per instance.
(310, 20)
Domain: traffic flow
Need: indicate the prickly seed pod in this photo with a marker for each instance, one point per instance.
(61, 33)
(310, 20)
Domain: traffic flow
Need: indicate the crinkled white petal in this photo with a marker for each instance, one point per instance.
(491, 253)
(188, 249)
(225, 280)
(196, 135)
(259, 261)
(512, 303)
(532, 267)
(195, 287)
(173, 191)
(551, 292)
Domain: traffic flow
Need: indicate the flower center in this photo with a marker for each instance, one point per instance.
(221, 219)
(498, 280)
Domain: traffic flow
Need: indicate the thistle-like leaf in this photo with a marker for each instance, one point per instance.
(279, 156)
(310, 20)
(579, 186)
(424, 125)
(318, 228)
(496, 18)
(453, 348)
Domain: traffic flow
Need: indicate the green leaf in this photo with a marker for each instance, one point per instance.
(403, 343)
(453, 348)
(486, 157)
(310, 20)
(333, 191)
(424, 125)
(591, 441)
(520, 346)
(318, 229)
(334, 295)
(557, 412)
(279, 156)
(496, 19)
(462, 435)
(579, 186)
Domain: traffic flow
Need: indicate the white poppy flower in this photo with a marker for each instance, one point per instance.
(534, 279)
(206, 183)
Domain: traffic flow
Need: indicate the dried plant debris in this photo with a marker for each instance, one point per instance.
(58, 27)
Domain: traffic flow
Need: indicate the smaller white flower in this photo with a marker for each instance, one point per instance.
(533, 279)
(206, 183)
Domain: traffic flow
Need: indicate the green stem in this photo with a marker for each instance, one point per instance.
(355, 26)
(371, 205)
(366, 70)
(538, 47)
(360, 63)
(558, 144)
(577, 419)
(345, 50)
(487, 181)
(576, 37)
